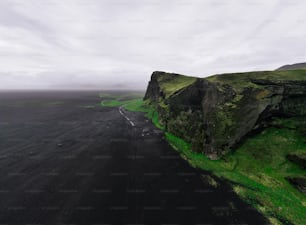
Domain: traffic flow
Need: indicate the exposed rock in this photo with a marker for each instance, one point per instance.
(298, 159)
(215, 114)
(298, 182)
(293, 66)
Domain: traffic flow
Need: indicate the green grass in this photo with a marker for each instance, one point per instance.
(136, 105)
(170, 84)
(132, 100)
(240, 80)
(153, 116)
(112, 103)
(258, 170)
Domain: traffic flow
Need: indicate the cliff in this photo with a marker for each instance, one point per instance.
(217, 113)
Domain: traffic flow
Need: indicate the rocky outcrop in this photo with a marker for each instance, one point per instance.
(293, 66)
(299, 159)
(215, 114)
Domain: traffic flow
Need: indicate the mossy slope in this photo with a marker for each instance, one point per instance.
(216, 113)
(252, 123)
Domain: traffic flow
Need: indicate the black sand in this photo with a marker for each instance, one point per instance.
(63, 163)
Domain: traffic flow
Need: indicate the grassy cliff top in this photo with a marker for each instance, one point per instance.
(238, 80)
(172, 82)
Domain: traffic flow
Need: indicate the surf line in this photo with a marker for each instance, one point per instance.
(128, 119)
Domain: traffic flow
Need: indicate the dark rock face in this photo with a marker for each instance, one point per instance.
(217, 113)
(153, 91)
(299, 183)
(300, 160)
(293, 66)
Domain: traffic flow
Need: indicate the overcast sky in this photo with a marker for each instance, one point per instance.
(118, 43)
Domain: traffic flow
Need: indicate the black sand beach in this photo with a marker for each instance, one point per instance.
(65, 160)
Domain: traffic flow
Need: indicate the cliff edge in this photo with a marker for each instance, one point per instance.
(215, 114)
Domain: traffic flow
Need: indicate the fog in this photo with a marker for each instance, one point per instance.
(117, 44)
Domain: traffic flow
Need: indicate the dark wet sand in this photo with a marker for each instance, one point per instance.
(62, 163)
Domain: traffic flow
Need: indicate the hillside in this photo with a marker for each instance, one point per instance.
(216, 113)
(293, 66)
(252, 124)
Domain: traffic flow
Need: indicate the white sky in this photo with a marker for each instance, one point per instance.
(119, 43)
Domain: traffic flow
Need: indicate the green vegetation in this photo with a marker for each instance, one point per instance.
(113, 103)
(170, 83)
(258, 171)
(136, 105)
(154, 117)
(109, 99)
(240, 80)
